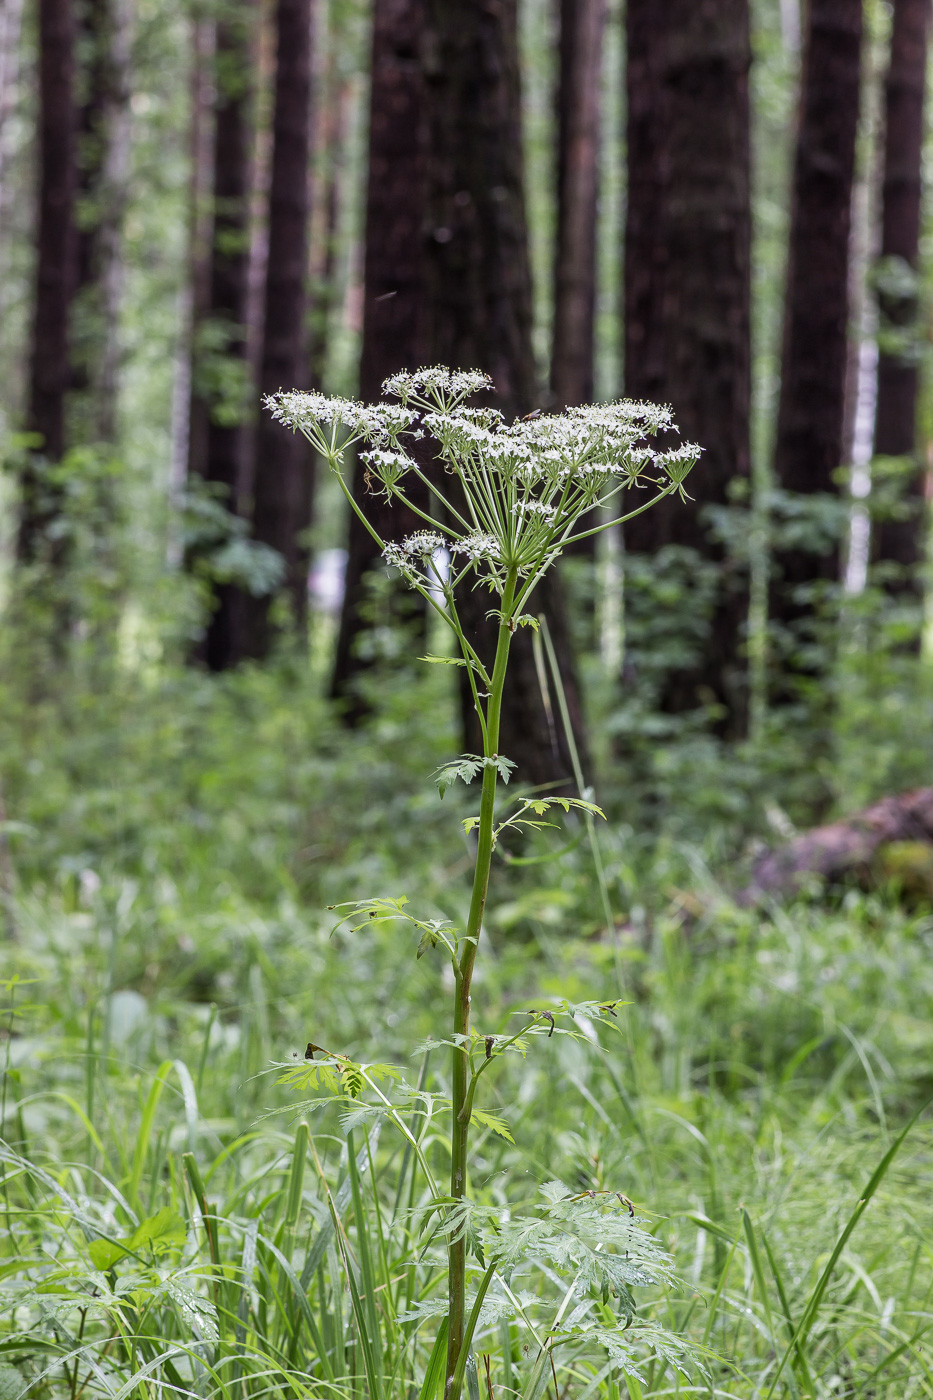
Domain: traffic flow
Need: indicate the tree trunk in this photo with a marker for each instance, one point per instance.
(283, 479)
(189, 415)
(393, 308)
(479, 306)
(220, 367)
(41, 499)
(103, 170)
(901, 540)
(582, 25)
(811, 412)
(687, 299)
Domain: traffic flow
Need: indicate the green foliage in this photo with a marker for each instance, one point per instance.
(466, 767)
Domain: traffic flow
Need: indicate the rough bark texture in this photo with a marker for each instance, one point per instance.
(687, 292)
(221, 349)
(394, 303)
(55, 277)
(844, 848)
(103, 169)
(283, 481)
(479, 306)
(582, 25)
(811, 411)
(901, 540)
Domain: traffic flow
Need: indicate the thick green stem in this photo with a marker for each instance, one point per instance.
(460, 1131)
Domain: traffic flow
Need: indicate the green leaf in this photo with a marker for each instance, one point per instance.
(12, 1383)
(463, 769)
(105, 1254)
(493, 1122)
(446, 660)
(434, 1375)
(428, 941)
(466, 767)
(502, 765)
(161, 1230)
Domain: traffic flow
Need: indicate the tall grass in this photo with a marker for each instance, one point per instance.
(164, 1236)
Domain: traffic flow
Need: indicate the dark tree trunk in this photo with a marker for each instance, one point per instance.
(394, 303)
(687, 297)
(811, 412)
(103, 168)
(900, 541)
(220, 365)
(283, 476)
(41, 501)
(479, 305)
(582, 25)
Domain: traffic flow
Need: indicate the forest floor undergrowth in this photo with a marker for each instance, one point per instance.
(171, 859)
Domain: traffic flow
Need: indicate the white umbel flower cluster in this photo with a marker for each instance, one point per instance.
(413, 557)
(507, 497)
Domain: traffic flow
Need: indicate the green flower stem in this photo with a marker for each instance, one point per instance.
(460, 1131)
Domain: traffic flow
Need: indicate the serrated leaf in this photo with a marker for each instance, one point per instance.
(527, 620)
(445, 660)
(463, 769)
(493, 1122)
(502, 764)
(428, 941)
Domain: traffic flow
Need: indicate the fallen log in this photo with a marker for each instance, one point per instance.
(853, 849)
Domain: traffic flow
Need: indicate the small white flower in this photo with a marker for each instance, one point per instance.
(478, 545)
(422, 544)
(436, 380)
(387, 463)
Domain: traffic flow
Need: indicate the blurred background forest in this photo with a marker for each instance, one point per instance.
(213, 722)
(720, 208)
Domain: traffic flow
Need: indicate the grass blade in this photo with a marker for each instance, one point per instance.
(434, 1375)
(816, 1297)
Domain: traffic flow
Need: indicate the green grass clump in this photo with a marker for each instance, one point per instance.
(172, 1225)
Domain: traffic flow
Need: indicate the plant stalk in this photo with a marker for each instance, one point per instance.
(460, 1130)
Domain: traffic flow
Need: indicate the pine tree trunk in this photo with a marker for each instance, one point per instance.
(393, 308)
(582, 25)
(811, 410)
(282, 487)
(479, 308)
(220, 367)
(103, 166)
(687, 298)
(900, 541)
(41, 501)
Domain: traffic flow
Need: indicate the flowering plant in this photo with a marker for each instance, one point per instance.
(507, 500)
